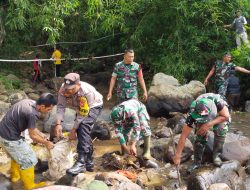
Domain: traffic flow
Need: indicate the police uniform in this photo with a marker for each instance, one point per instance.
(84, 122)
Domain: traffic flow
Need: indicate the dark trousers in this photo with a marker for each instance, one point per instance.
(58, 70)
(37, 77)
(85, 145)
(233, 100)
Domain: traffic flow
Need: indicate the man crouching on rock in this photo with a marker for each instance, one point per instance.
(88, 104)
(131, 120)
(207, 111)
(21, 116)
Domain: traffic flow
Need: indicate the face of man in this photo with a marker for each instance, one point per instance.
(44, 109)
(227, 58)
(129, 58)
(238, 14)
(70, 92)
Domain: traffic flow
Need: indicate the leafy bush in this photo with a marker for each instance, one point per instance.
(10, 84)
(241, 57)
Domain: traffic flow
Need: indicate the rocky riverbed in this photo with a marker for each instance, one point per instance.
(164, 177)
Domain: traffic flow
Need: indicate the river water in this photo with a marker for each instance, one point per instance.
(240, 122)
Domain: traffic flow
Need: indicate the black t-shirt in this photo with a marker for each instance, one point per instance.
(20, 116)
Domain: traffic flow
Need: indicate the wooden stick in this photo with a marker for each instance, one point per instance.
(177, 166)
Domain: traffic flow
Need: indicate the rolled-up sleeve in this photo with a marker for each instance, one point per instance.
(115, 71)
(119, 133)
(61, 107)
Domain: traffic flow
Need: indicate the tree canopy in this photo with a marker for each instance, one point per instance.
(178, 37)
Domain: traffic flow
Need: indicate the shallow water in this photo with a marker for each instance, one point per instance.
(240, 122)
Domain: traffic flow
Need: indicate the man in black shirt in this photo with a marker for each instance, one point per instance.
(22, 116)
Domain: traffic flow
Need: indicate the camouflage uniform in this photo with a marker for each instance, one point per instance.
(132, 121)
(222, 71)
(127, 75)
(217, 104)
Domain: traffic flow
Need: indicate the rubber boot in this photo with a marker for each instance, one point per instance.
(89, 161)
(28, 178)
(79, 166)
(15, 171)
(217, 150)
(146, 149)
(198, 154)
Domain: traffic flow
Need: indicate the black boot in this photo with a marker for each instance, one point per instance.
(217, 150)
(198, 154)
(78, 167)
(89, 161)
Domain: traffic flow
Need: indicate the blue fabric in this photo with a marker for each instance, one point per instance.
(20, 151)
(233, 85)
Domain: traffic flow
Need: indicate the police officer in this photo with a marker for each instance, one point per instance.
(22, 116)
(127, 73)
(207, 111)
(131, 121)
(88, 103)
(222, 70)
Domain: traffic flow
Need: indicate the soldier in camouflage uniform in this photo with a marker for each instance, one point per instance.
(222, 70)
(131, 122)
(127, 73)
(207, 111)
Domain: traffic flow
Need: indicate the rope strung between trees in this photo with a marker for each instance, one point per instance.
(87, 42)
(73, 59)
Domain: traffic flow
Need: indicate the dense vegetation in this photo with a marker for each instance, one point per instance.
(178, 37)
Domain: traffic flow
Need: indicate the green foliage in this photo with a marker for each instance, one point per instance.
(178, 37)
(10, 84)
(241, 58)
(40, 16)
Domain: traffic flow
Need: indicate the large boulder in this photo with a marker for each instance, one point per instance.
(177, 123)
(101, 131)
(16, 96)
(166, 95)
(236, 147)
(54, 84)
(186, 153)
(230, 173)
(4, 107)
(68, 120)
(116, 181)
(162, 149)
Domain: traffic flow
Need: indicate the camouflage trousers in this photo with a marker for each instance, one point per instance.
(221, 88)
(219, 130)
(126, 94)
(145, 129)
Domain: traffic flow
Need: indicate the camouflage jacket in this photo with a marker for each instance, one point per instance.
(135, 121)
(222, 71)
(127, 76)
